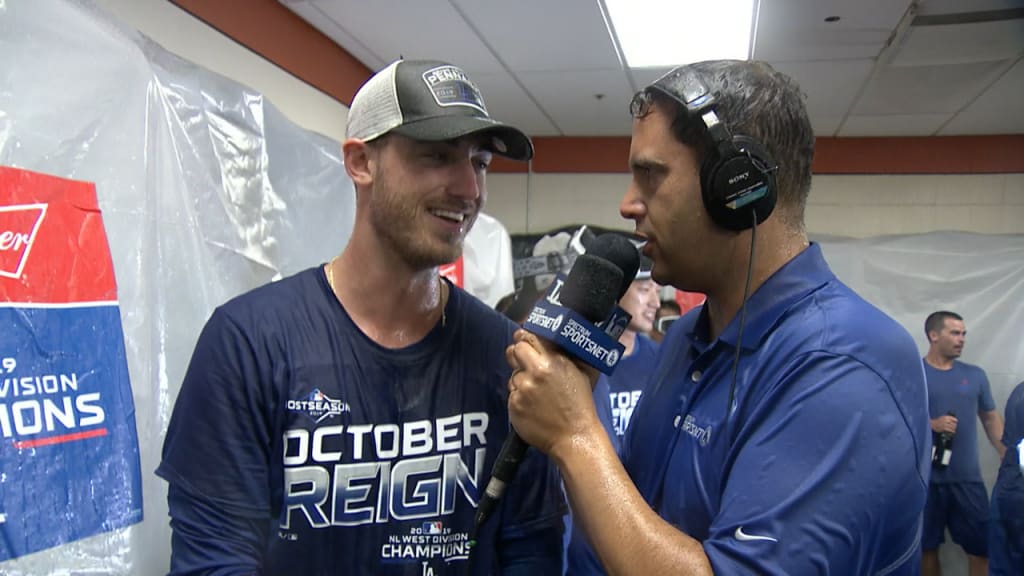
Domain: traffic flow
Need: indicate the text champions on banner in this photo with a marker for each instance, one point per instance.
(67, 425)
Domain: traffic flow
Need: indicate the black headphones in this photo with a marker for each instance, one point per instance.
(737, 177)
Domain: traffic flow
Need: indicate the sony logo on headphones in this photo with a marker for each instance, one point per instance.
(739, 177)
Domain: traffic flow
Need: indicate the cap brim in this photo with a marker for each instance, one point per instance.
(508, 141)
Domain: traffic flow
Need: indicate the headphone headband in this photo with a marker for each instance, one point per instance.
(737, 175)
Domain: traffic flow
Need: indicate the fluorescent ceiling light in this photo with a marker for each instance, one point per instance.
(653, 33)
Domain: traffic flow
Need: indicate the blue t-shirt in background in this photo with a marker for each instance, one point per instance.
(1009, 487)
(298, 445)
(964, 391)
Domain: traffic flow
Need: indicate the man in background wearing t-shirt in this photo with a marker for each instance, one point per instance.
(956, 493)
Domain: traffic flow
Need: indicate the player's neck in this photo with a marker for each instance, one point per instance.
(392, 305)
(938, 361)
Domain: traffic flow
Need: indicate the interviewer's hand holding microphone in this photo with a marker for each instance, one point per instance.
(551, 388)
(550, 394)
(570, 334)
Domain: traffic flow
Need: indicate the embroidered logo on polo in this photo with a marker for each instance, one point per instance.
(318, 406)
(701, 433)
(451, 87)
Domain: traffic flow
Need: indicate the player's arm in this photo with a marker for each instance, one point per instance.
(215, 459)
(993, 424)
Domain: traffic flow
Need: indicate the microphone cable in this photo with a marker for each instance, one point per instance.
(743, 316)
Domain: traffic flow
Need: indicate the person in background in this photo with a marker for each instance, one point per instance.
(616, 395)
(668, 312)
(344, 420)
(1006, 536)
(757, 444)
(956, 493)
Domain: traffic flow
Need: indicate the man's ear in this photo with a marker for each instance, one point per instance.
(357, 157)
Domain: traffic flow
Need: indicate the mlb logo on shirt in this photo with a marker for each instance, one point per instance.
(432, 527)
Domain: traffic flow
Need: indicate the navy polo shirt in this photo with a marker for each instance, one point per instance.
(821, 462)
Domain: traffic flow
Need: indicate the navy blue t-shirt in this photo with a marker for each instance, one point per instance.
(1009, 487)
(300, 446)
(820, 464)
(964, 391)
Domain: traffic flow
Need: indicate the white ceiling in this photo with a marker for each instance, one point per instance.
(886, 68)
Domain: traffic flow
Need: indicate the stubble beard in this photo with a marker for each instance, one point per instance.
(395, 218)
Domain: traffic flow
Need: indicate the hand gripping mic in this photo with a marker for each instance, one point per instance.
(596, 282)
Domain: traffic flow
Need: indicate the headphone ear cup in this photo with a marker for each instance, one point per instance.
(739, 185)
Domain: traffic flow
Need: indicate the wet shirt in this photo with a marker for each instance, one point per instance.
(300, 446)
(820, 464)
(963, 390)
(615, 399)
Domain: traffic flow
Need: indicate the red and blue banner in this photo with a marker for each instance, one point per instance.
(69, 454)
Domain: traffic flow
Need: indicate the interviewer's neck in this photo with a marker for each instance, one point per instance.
(777, 244)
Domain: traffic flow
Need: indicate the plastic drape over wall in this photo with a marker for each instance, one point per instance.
(205, 189)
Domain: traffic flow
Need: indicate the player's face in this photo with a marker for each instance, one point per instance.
(664, 200)
(427, 195)
(641, 300)
(950, 340)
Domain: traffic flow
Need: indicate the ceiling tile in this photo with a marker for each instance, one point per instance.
(420, 29)
(962, 43)
(571, 98)
(506, 101)
(929, 7)
(312, 13)
(825, 125)
(540, 35)
(830, 86)
(919, 90)
(999, 110)
(796, 29)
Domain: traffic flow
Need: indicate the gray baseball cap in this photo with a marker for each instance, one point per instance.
(433, 101)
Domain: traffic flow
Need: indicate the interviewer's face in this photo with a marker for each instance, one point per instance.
(664, 200)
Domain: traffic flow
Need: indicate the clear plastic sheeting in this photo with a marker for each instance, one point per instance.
(206, 191)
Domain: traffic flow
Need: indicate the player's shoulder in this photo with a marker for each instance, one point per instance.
(274, 301)
(477, 315)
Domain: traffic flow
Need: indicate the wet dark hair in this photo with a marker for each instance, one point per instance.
(755, 100)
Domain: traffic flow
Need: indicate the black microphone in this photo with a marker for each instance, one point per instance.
(592, 288)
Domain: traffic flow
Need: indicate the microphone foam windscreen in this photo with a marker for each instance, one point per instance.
(591, 287)
(618, 250)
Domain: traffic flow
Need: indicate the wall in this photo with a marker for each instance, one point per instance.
(193, 40)
(854, 205)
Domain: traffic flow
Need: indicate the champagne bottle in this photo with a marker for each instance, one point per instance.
(942, 448)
